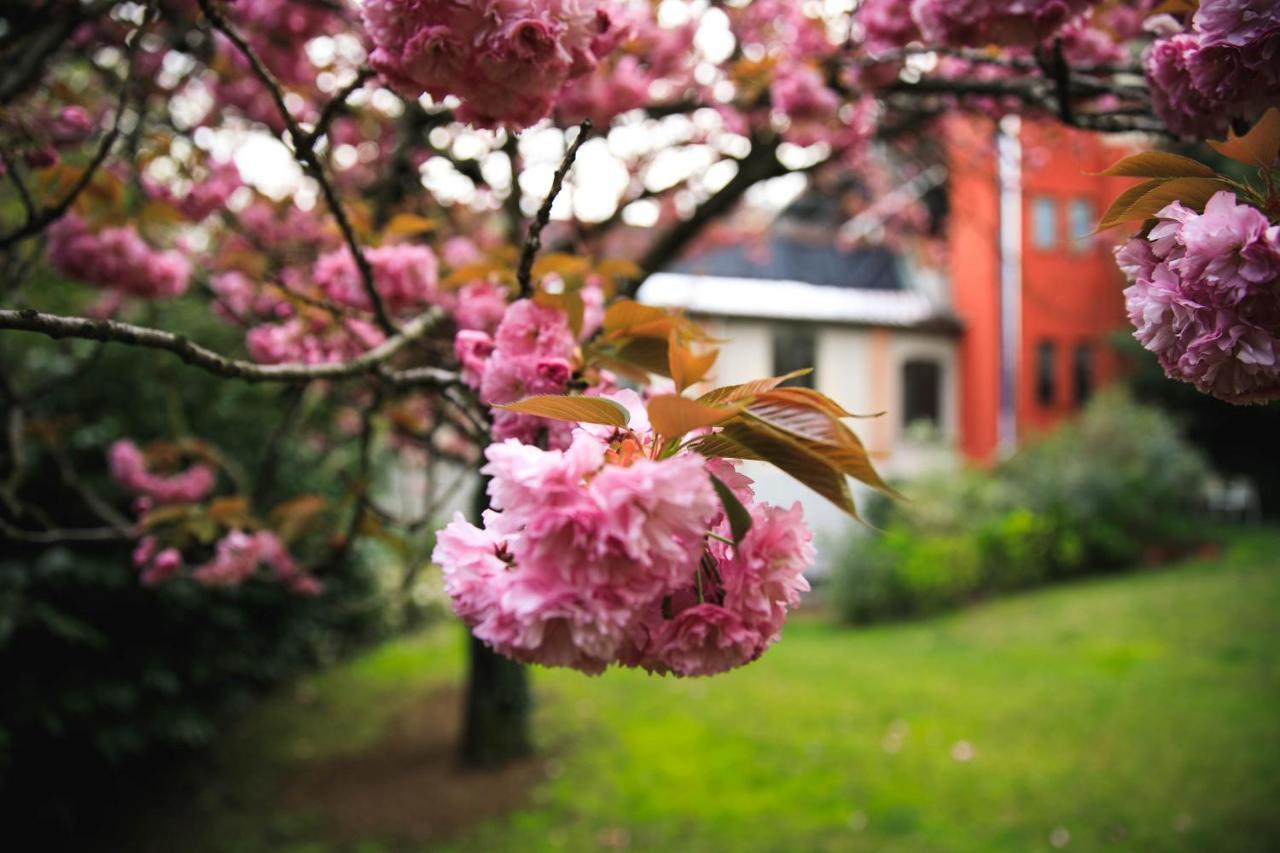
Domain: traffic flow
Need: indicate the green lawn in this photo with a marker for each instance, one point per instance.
(1139, 712)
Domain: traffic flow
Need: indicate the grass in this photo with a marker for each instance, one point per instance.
(1137, 712)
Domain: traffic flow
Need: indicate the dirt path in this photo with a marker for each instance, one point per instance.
(409, 786)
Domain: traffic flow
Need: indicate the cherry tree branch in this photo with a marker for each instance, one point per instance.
(532, 243)
(37, 221)
(58, 326)
(304, 150)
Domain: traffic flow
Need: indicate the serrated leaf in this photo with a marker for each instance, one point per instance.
(811, 398)
(672, 415)
(647, 353)
(795, 459)
(685, 366)
(1192, 192)
(738, 516)
(586, 410)
(1115, 213)
(734, 393)
(719, 446)
(1259, 147)
(1159, 164)
(627, 313)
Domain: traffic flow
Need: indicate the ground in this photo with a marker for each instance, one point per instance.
(1134, 712)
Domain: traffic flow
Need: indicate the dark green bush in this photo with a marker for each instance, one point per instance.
(100, 676)
(1095, 495)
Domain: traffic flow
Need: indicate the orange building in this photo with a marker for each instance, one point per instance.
(1037, 292)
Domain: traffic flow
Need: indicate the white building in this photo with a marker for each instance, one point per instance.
(874, 326)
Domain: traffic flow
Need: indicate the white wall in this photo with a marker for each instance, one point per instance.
(861, 369)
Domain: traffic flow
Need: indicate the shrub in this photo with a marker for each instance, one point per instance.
(98, 673)
(1092, 496)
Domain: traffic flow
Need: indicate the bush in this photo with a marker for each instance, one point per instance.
(99, 674)
(1095, 495)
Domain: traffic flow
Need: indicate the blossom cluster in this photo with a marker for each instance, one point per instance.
(894, 23)
(405, 275)
(506, 60)
(237, 556)
(1227, 65)
(1205, 297)
(598, 554)
(202, 198)
(530, 353)
(651, 58)
(37, 135)
(130, 470)
(116, 258)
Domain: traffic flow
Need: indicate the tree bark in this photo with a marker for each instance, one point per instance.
(495, 723)
(496, 726)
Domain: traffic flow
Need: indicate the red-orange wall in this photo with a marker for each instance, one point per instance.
(1070, 293)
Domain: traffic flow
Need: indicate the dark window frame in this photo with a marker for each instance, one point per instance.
(1046, 373)
(794, 346)
(922, 391)
(1084, 371)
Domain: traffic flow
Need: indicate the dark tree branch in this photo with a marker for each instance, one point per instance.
(55, 536)
(336, 104)
(532, 243)
(304, 150)
(58, 326)
(43, 219)
(760, 164)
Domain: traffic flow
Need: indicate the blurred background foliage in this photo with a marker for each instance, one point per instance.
(99, 674)
(1117, 487)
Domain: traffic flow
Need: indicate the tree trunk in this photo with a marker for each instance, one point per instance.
(495, 723)
(496, 726)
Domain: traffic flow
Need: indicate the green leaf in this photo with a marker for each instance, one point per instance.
(1159, 164)
(739, 517)
(586, 410)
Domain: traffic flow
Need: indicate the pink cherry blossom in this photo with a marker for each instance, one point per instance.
(116, 258)
(312, 340)
(405, 276)
(505, 59)
(1203, 297)
(982, 22)
(129, 469)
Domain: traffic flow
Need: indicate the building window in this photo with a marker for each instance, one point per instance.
(1082, 372)
(1081, 217)
(1046, 373)
(1044, 222)
(922, 392)
(794, 349)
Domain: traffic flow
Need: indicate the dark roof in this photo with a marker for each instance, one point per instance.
(789, 259)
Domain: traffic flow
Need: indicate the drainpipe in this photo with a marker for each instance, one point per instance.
(1009, 173)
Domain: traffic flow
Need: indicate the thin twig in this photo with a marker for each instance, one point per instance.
(533, 242)
(304, 151)
(58, 326)
(46, 217)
